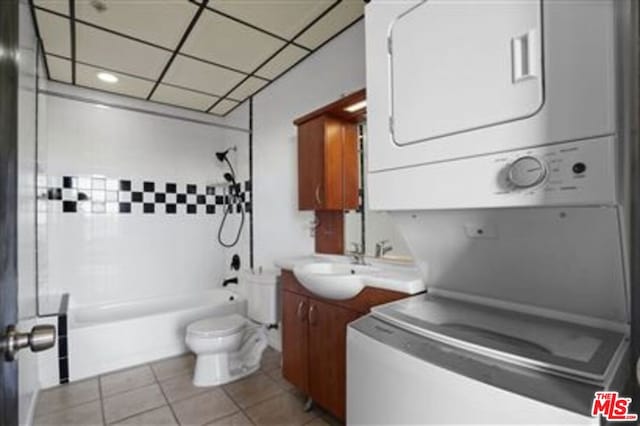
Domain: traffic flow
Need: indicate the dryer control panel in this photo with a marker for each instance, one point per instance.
(573, 173)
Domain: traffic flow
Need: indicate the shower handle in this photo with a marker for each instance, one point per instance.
(40, 338)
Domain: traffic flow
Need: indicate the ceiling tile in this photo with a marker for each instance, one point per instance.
(126, 85)
(55, 32)
(247, 88)
(282, 17)
(185, 98)
(330, 24)
(224, 107)
(281, 62)
(60, 6)
(59, 68)
(229, 43)
(159, 22)
(198, 75)
(101, 48)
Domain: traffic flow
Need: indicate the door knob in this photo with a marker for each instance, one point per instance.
(40, 338)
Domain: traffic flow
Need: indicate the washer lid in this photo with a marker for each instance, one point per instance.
(537, 342)
(217, 326)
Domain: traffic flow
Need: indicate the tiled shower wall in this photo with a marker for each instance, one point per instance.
(132, 201)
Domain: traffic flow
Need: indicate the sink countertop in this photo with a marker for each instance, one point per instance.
(403, 278)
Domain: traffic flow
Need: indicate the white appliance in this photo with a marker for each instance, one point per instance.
(498, 137)
(438, 360)
(524, 89)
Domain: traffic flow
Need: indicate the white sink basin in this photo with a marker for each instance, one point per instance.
(338, 281)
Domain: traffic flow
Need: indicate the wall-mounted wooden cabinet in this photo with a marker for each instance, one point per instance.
(327, 164)
(314, 336)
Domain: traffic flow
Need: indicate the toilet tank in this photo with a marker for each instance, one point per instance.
(262, 295)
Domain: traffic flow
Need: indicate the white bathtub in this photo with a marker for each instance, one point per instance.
(110, 337)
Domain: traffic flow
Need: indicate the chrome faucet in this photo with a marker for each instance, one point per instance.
(382, 248)
(357, 254)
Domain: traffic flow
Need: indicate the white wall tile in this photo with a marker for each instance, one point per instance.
(98, 256)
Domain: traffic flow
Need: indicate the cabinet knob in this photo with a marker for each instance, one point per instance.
(318, 199)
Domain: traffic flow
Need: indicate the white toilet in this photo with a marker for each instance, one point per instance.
(230, 347)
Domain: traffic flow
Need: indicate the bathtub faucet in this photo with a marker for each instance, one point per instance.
(228, 281)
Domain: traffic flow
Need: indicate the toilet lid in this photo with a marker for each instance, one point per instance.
(217, 326)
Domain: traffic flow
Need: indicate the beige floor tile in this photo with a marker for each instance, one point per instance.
(237, 419)
(87, 414)
(122, 405)
(159, 417)
(173, 367)
(125, 380)
(66, 396)
(271, 353)
(181, 387)
(253, 389)
(276, 375)
(284, 409)
(204, 408)
(270, 360)
(318, 421)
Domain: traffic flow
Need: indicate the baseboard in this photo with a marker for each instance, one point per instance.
(32, 408)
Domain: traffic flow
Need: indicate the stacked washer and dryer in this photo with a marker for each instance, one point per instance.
(500, 139)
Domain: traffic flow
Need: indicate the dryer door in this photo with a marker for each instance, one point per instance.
(458, 66)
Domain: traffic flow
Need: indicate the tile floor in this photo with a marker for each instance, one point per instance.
(161, 393)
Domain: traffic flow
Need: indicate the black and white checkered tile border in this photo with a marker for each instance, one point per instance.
(106, 195)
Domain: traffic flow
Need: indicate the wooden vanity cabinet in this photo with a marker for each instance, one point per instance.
(295, 334)
(327, 164)
(314, 337)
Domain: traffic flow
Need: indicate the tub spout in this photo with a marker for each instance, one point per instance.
(228, 281)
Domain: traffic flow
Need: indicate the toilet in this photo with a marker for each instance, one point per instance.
(230, 347)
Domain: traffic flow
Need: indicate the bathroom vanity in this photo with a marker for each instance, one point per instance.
(314, 327)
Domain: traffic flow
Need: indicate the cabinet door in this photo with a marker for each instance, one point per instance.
(327, 355)
(295, 343)
(460, 66)
(311, 191)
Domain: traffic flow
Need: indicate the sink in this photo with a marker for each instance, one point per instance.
(338, 281)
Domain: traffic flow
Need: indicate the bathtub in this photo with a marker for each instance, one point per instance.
(110, 337)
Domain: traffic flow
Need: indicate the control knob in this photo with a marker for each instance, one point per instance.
(526, 172)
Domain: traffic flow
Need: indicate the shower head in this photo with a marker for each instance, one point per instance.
(222, 155)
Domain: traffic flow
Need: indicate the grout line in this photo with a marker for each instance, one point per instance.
(242, 410)
(173, 413)
(135, 388)
(101, 399)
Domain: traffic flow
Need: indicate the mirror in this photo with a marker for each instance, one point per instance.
(373, 229)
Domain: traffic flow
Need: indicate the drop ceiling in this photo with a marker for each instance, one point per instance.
(206, 55)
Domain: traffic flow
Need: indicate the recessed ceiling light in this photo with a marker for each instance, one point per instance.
(356, 107)
(107, 77)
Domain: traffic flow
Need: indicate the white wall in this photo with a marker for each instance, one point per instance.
(104, 257)
(336, 69)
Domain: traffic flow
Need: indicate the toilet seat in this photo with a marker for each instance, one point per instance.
(217, 326)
